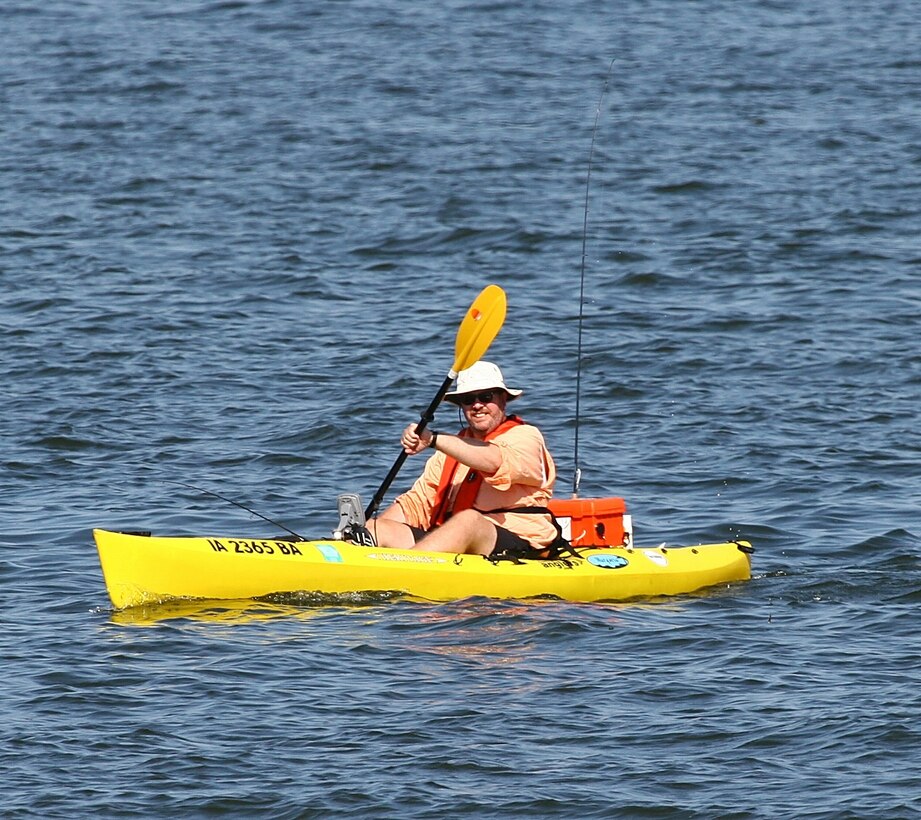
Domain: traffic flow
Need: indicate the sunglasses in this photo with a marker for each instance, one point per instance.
(469, 399)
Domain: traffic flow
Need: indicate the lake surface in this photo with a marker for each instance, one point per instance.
(236, 240)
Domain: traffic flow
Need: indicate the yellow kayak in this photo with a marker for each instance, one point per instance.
(144, 569)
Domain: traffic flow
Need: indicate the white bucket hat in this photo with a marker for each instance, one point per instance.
(477, 377)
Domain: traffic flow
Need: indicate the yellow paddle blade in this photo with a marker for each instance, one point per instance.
(480, 326)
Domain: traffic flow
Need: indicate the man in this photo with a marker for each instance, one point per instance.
(475, 491)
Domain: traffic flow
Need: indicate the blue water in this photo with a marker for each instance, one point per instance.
(236, 239)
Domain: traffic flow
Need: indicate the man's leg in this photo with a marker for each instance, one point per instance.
(467, 531)
(390, 533)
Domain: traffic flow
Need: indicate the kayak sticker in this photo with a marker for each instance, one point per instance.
(656, 557)
(244, 546)
(330, 553)
(412, 559)
(608, 561)
(561, 563)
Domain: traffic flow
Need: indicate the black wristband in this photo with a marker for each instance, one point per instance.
(434, 439)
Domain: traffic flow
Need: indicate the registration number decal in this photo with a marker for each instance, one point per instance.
(247, 547)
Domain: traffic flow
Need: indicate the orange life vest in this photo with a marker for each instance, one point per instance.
(466, 495)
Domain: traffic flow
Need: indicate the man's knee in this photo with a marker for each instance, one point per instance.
(467, 518)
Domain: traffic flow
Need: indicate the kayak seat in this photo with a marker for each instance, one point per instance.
(594, 522)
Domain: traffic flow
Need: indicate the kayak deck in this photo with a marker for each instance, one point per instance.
(143, 569)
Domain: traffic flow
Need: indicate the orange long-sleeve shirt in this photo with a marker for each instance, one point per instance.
(524, 479)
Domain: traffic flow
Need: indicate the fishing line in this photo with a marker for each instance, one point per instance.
(577, 471)
(236, 504)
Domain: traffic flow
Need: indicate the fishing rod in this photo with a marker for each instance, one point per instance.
(577, 471)
(237, 504)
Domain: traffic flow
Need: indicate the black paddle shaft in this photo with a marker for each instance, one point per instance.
(427, 416)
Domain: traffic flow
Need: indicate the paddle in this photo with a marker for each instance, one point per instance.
(474, 336)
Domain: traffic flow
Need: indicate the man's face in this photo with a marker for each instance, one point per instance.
(484, 410)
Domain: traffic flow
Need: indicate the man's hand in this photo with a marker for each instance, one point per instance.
(414, 443)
